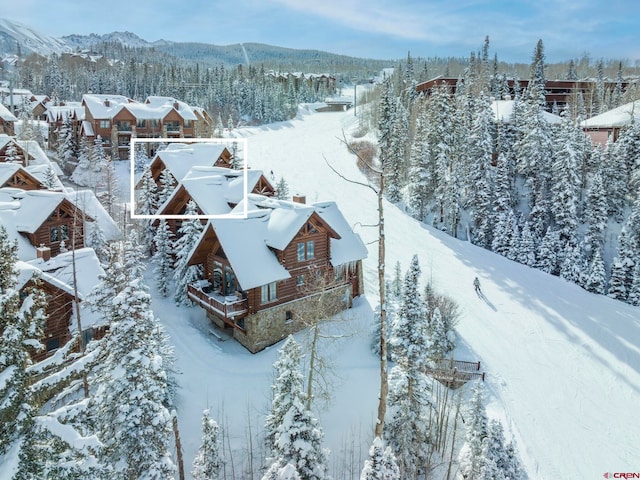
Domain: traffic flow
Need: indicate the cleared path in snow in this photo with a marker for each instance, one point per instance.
(563, 364)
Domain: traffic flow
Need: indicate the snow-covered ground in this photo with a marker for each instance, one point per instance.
(563, 365)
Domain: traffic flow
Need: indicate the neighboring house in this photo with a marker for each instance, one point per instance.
(558, 92)
(117, 119)
(27, 153)
(43, 218)
(214, 190)
(180, 158)
(606, 126)
(503, 112)
(261, 270)
(55, 117)
(7, 121)
(57, 281)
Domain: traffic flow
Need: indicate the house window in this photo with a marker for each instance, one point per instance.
(306, 251)
(53, 344)
(268, 293)
(288, 316)
(105, 123)
(299, 280)
(141, 123)
(188, 123)
(59, 233)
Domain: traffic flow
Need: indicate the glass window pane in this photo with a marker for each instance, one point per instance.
(300, 252)
(310, 249)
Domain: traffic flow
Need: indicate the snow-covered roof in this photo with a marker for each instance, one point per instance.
(33, 207)
(87, 128)
(503, 112)
(40, 172)
(37, 156)
(244, 241)
(618, 117)
(6, 115)
(87, 201)
(60, 267)
(287, 218)
(185, 110)
(59, 271)
(104, 106)
(349, 247)
(7, 170)
(56, 113)
(234, 180)
(209, 194)
(179, 158)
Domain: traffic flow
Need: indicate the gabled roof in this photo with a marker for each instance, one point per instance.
(183, 109)
(179, 158)
(87, 201)
(8, 170)
(40, 172)
(6, 115)
(208, 193)
(244, 243)
(349, 247)
(104, 106)
(35, 206)
(57, 113)
(618, 117)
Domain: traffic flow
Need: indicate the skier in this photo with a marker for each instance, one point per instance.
(476, 285)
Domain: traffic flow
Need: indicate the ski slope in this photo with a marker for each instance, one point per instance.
(563, 365)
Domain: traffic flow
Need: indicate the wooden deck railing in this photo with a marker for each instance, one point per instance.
(454, 373)
(226, 309)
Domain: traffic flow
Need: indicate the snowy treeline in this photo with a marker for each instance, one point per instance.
(242, 94)
(530, 189)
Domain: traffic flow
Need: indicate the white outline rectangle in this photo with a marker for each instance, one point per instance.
(226, 141)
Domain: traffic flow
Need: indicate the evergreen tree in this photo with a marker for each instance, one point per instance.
(208, 461)
(184, 274)
(163, 258)
(282, 189)
(527, 247)
(67, 146)
(397, 153)
(11, 154)
(166, 187)
(572, 268)
(595, 215)
(276, 472)
(381, 463)
(21, 324)
(596, 281)
(634, 290)
(547, 258)
(420, 191)
(477, 427)
(614, 178)
(140, 158)
(291, 430)
(129, 407)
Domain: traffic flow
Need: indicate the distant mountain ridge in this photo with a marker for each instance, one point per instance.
(14, 33)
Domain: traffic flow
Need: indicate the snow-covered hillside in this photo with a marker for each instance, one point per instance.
(29, 39)
(563, 365)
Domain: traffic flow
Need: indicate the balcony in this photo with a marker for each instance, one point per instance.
(229, 307)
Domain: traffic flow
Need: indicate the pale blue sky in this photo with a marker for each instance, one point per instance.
(385, 29)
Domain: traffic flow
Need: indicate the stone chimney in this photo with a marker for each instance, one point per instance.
(44, 253)
(176, 105)
(297, 198)
(107, 103)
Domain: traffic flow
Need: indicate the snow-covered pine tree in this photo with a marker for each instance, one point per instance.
(381, 463)
(547, 258)
(527, 247)
(439, 343)
(184, 274)
(477, 427)
(208, 461)
(67, 147)
(293, 434)
(634, 290)
(566, 182)
(12, 155)
(140, 158)
(479, 176)
(50, 180)
(282, 189)
(128, 407)
(21, 323)
(287, 378)
(615, 177)
(166, 187)
(83, 174)
(397, 153)
(420, 192)
(276, 472)
(406, 424)
(572, 268)
(596, 277)
(499, 461)
(163, 258)
(595, 214)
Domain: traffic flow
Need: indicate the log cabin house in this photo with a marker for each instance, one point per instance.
(557, 92)
(56, 280)
(116, 119)
(14, 175)
(260, 271)
(214, 190)
(41, 218)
